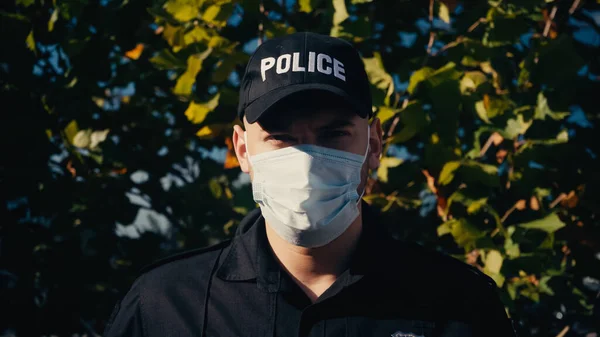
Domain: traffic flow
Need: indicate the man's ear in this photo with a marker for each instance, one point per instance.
(376, 144)
(239, 146)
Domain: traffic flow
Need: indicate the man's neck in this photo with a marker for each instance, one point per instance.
(315, 269)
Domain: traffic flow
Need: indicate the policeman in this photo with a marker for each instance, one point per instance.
(313, 260)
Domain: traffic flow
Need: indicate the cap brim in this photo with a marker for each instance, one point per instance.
(255, 110)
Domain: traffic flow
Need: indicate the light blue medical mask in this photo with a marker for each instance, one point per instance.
(308, 193)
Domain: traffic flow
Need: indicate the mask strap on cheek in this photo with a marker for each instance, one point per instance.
(248, 155)
(365, 159)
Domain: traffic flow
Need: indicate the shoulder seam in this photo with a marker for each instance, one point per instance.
(182, 255)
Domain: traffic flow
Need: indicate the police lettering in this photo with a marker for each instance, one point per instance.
(322, 63)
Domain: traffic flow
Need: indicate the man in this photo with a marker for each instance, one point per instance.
(313, 260)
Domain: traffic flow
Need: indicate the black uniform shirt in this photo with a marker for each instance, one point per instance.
(237, 288)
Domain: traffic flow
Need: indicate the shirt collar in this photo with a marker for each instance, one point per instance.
(250, 256)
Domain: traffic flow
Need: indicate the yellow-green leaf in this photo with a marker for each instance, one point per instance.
(413, 119)
(71, 130)
(448, 171)
(481, 111)
(215, 188)
(184, 10)
(444, 13)
(53, 19)
(385, 165)
(471, 80)
(549, 224)
(211, 13)
(218, 14)
(542, 110)
(30, 42)
(464, 233)
(25, 3)
(305, 6)
(341, 13)
(213, 130)
(378, 76)
(83, 138)
(417, 77)
(385, 113)
(186, 81)
(175, 37)
(493, 261)
(197, 112)
(516, 126)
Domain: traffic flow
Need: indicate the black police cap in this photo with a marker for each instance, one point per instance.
(302, 62)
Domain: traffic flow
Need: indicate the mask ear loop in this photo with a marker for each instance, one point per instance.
(248, 155)
(365, 159)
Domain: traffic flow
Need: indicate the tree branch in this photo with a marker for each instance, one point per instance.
(549, 21)
(261, 33)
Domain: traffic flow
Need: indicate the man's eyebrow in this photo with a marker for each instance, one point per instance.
(337, 124)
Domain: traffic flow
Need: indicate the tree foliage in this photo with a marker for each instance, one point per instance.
(118, 116)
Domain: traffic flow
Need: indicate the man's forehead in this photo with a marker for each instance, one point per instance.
(309, 118)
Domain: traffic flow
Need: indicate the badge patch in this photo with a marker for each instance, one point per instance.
(404, 334)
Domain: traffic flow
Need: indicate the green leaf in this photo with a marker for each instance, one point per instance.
(165, 60)
(227, 65)
(53, 19)
(542, 110)
(492, 106)
(163, 16)
(471, 80)
(516, 126)
(448, 171)
(355, 31)
(276, 29)
(444, 12)
(30, 42)
(544, 287)
(218, 14)
(473, 204)
(492, 266)
(504, 29)
(385, 164)
(82, 139)
(418, 77)
(215, 188)
(475, 172)
(493, 262)
(378, 76)
(25, 3)
(482, 111)
(184, 10)
(307, 6)
(465, 234)
(512, 249)
(197, 112)
(175, 37)
(385, 113)
(71, 130)
(413, 119)
(550, 224)
(15, 16)
(186, 81)
(341, 13)
(433, 78)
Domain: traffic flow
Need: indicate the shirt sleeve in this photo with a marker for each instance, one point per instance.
(126, 318)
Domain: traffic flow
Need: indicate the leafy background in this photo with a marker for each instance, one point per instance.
(117, 149)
